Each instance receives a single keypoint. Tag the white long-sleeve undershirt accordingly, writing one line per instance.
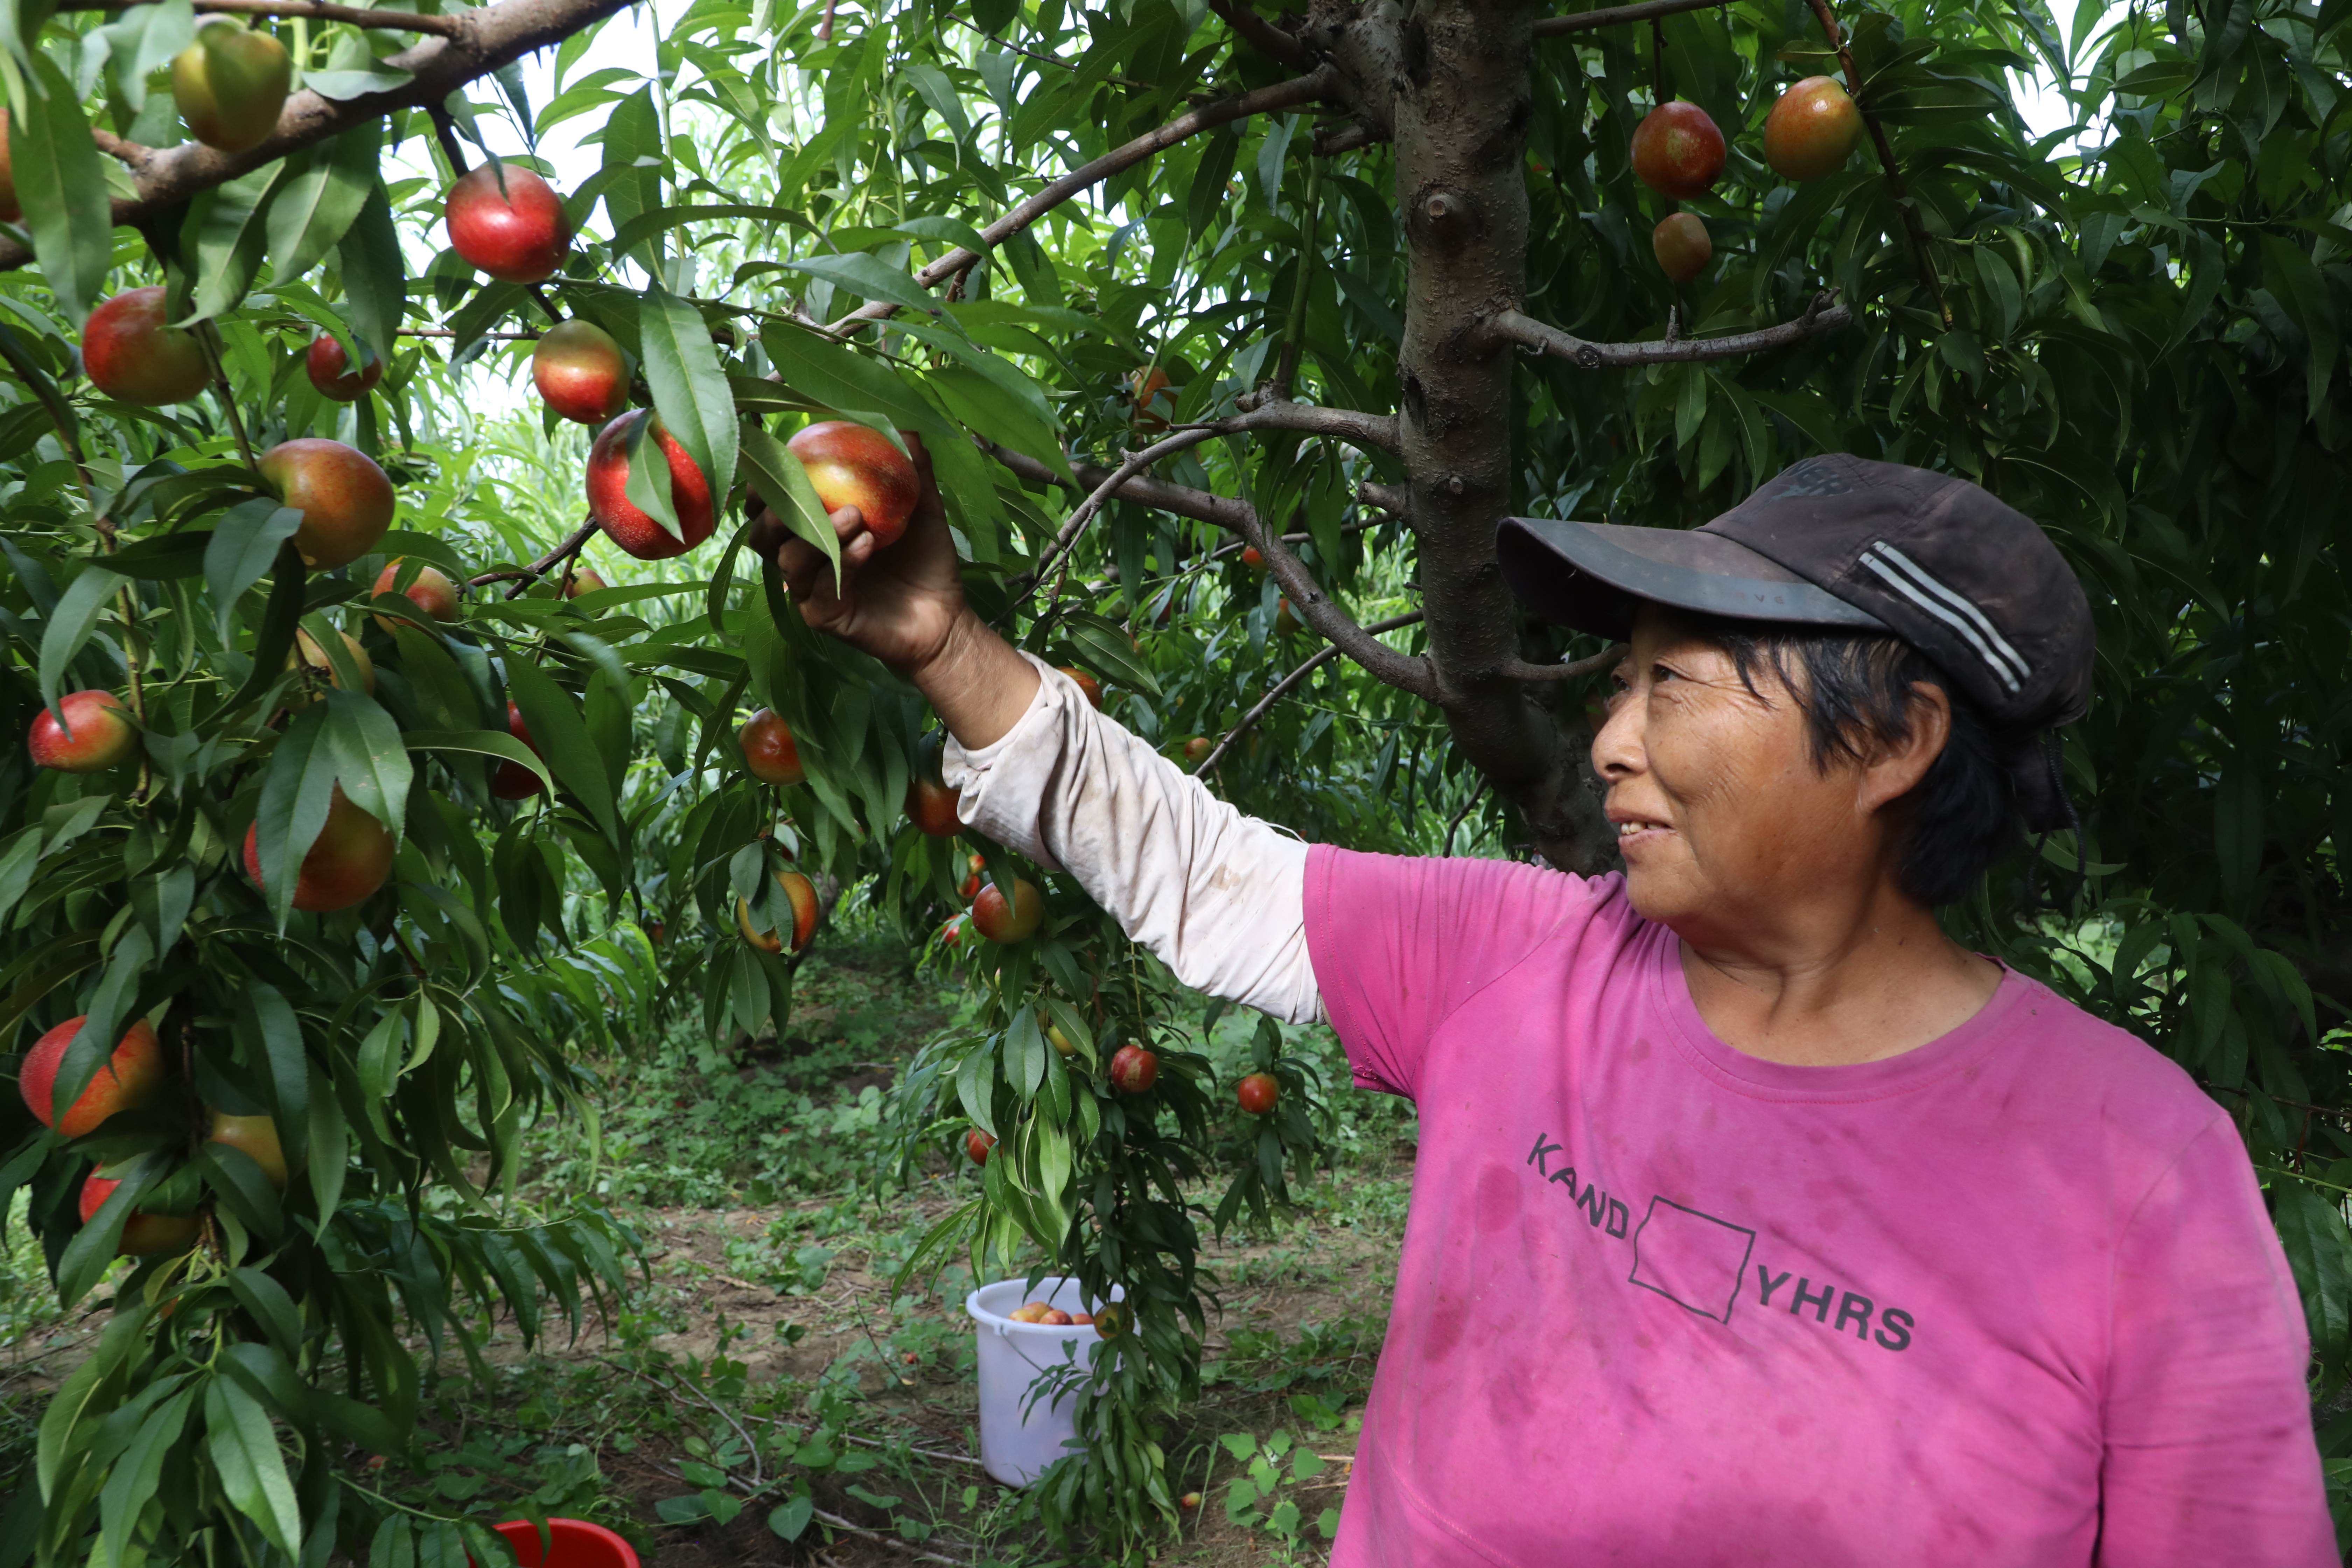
(1219, 897)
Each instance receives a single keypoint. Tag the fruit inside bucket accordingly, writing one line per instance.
(571, 1543)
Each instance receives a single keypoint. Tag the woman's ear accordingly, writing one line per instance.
(1895, 764)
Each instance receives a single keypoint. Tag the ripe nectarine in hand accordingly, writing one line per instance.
(850, 464)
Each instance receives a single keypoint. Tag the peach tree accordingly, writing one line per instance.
(1232, 332)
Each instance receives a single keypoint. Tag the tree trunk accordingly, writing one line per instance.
(1461, 116)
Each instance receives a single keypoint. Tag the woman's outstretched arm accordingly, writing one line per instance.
(1218, 896)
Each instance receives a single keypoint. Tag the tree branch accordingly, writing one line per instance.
(480, 43)
(1080, 515)
(1180, 501)
(1290, 94)
(525, 576)
(310, 10)
(1263, 35)
(1369, 432)
(1587, 21)
(1520, 669)
(1311, 605)
(1821, 315)
(1290, 683)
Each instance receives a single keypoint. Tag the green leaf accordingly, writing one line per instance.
(296, 793)
(483, 743)
(68, 627)
(689, 385)
(562, 738)
(780, 480)
(374, 278)
(243, 546)
(131, 1484)
(2319, 1251)
(789, 1520)
(342, 86)
(61, 186)
(251, 1468)
(371, 762)
(226, 236)
(321, 197)
(272, 1022)
(871, 277)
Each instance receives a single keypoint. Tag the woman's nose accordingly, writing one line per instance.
(1617, 744)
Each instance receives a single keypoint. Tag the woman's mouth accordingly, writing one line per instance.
(1634, 832)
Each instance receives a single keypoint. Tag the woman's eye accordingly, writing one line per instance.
(1660, 672)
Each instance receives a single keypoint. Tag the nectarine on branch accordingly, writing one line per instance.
(477, 44)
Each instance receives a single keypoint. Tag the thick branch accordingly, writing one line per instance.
(1821, 315)
(308, 10)
(1307, 89)
(1586, 21)
(1263, 35)
(1520, 669)
(1081, 514)
(1311, 605)
(1369, 432)
(1182, 501)
(312, 10)
(1290, 683)
(482, 41)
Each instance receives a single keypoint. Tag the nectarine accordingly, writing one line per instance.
(518, 234)
(767, 750)
(1000, 920)
(144, 1235)
(328, 368)
(802, 892)
(133, 357)
(1677, 151)
(854, 464)
(346, 500)
(100, 733)
(130, 1078)
(581, 371)
(624, 521)
(351, 858)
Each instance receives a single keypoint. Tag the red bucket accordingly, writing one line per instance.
(571, 1543)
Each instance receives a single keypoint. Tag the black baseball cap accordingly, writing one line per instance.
(1841, 541)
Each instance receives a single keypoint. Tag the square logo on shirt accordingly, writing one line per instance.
(1693, 1260)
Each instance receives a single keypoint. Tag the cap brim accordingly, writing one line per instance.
(1593, 575)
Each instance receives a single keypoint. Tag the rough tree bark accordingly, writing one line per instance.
(1459, 117)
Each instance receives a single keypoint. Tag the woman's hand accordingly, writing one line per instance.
(903, 603)
(897, 603)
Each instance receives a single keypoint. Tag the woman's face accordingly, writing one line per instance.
(1727, 826)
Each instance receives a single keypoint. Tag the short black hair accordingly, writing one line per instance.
(1855, 689)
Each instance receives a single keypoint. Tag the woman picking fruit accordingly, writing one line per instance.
(1756, 1220)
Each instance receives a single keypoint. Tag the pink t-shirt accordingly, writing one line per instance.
(2008, 1298)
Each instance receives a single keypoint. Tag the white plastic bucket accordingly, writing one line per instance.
(1018, 1439)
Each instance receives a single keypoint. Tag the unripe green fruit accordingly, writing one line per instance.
(231, 84)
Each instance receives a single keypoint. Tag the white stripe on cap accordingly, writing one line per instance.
(1966, 607)
(1903, 586)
